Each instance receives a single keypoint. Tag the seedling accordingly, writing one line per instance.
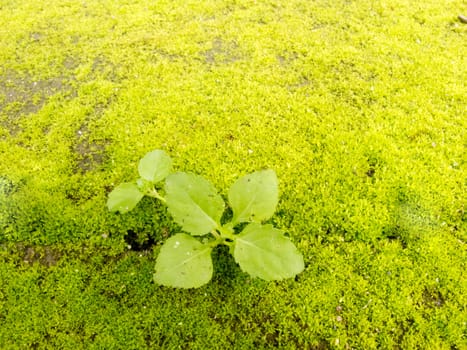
(185, 260)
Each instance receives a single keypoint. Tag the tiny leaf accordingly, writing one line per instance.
(155, 166)
(264, 252)
(254, 197)
(124, 197)
(183, 262)
(193, 202)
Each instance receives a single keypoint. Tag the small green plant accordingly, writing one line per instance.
(185, 260)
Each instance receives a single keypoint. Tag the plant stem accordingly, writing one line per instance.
(226, 232)
(216, 234)
(227, 243)
(153, 193)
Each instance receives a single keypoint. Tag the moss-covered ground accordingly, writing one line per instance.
(359, 107)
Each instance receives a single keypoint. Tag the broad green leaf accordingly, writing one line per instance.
(254, 197)
(155, 166)
(183, 262)
(193, 202)
(124, 197)
(264, 252)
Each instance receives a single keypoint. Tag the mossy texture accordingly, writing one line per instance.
(359, 107)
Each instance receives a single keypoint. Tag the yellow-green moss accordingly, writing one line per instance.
(358, 106)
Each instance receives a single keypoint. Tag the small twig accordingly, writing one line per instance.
(462, 18)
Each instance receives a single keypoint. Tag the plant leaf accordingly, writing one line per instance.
(254, 197)
(193, 202)
(183, 262)
(155, 166)
(124, 197)
(264, 252)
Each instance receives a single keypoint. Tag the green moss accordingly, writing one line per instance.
(358, 106)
